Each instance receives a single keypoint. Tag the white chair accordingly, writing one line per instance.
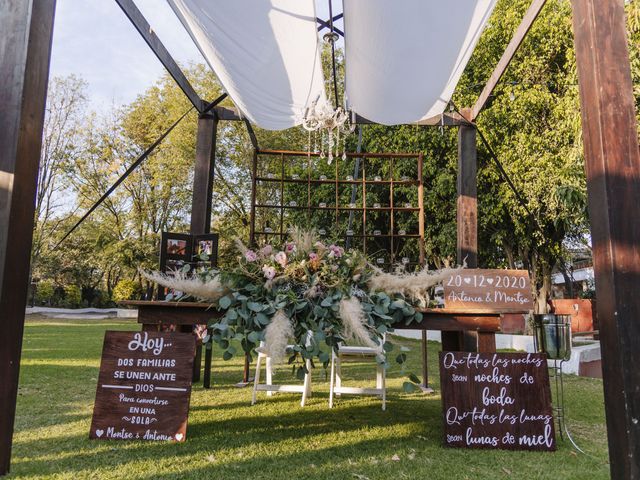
(356, 353)
(270, 388)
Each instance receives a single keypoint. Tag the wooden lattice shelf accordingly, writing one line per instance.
(384, 210)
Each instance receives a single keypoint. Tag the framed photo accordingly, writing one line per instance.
(180, 249)
(176, 247)
(205, 245)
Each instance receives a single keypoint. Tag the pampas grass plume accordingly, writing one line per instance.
(354, 323)
(277, 335)
(414, 286)
(211, 290)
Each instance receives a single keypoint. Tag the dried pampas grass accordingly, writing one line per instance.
(277, 335)
(414, 286)
(303, 239)
(354, 323)
(211, 290)
(242, 248)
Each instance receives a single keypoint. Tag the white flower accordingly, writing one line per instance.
(269, 272)
(281, 258)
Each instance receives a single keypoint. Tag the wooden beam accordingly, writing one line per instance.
(466, 221)
(467, 201)
(446, 119)
(203, 174)
(612, 162)
(135, 15)
(524, 27)
(252, 134)
(25, 50)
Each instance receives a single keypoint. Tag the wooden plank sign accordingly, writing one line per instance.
(495, 290)
(144, 386)
(497, 400)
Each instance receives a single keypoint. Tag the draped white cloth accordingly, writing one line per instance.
(264, 52)
(404, 58)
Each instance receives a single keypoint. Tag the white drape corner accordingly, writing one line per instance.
(404, 58)
(265, 53)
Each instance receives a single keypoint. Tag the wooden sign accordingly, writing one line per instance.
(144, 386)
(497, 290)
(497, 400)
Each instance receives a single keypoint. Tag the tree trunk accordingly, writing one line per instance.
(544, 292)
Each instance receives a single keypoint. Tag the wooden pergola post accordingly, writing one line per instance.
(467, 229)
(26, 28)
(612, 162)
(203, 174)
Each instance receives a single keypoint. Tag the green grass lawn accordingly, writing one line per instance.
(276, 439)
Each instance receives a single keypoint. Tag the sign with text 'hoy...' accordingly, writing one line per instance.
(144, 386)
(497, 400)
(498, 290)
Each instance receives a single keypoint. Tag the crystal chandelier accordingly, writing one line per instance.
(332, 123)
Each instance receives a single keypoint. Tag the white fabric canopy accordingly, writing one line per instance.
(264, 52)
(404, 58)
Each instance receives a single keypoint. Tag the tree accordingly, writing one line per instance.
(66, 102)
(533, 125)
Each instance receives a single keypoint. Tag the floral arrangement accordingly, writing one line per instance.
(309, 294)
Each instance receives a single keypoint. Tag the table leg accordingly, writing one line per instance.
(197, 363)
(486, 342)
(452, 341)
(425, 367)
(245, 373)
(208, 354)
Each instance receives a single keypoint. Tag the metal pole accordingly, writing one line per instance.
(354, 188)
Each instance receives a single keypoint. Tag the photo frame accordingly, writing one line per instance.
(180, 249)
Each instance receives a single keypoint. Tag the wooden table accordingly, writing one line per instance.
(486, 323)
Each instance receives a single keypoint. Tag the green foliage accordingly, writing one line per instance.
(308, 286)
(126, 290)
(45, 290)
(72, 296)
(533, 123)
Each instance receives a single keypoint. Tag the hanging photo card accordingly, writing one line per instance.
(497, 400)
(144, 386)
(496, 290)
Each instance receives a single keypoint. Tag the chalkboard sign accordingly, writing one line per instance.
(497, 400)
(144, 386)
(496, 290)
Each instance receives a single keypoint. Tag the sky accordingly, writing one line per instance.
(93, 39)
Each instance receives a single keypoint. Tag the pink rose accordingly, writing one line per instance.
(290, 247)
(269, 272)
(266, 250)
(313, 256)
(281, 258)
(335, 251)
(250, 256)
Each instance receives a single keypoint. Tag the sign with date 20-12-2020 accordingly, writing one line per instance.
(497, 400)
(497, 290)
(144, 386)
